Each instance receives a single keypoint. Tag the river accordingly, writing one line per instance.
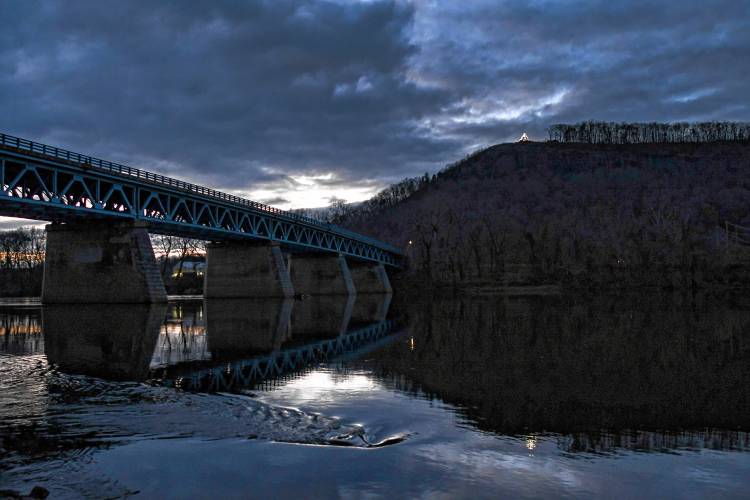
(644, 395)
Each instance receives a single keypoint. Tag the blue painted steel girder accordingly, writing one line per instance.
(45, 183)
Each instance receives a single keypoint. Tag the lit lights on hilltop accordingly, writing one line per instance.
(531, 443)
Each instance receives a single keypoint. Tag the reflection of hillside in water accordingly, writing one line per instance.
(638, 372)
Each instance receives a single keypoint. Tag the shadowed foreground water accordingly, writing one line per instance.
(341, 397)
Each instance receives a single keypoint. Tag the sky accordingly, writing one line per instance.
(297, 103)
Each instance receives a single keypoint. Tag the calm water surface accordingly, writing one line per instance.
(641, 396)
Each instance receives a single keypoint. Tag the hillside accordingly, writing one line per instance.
(580, 215)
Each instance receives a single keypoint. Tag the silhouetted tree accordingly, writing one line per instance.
(595, 132)
(22, 248)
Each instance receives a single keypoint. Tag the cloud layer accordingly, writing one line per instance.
(297, 102)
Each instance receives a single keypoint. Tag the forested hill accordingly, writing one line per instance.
(582, 215)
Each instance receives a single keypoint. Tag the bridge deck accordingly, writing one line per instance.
(43, 182)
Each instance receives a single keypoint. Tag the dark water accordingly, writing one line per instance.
(640, 396)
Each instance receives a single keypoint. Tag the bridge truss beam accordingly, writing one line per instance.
(34, 186)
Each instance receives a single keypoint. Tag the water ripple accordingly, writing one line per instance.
(72, 414)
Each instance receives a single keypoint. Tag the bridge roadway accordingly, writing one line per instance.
(96, 205)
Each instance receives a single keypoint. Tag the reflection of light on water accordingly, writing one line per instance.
(180, 342)
(21, 329)
(411, 343)
(323, 385)
(327, 380)
(531, 443)
(21, 334)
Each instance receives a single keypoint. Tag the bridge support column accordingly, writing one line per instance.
(98, 262)
(321, 274)
(245, 270)
(370, 278)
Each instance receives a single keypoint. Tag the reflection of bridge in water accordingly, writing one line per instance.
(278, 364)
(183, 345)
(580, 407)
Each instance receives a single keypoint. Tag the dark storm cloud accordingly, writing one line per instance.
(541, 62)
(219, 89)
(244, 94)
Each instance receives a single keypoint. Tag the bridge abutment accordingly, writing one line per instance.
(370, 278)
(321, 274)
(100, 262)
(245, 270)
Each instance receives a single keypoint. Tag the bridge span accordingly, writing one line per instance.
(98, 248)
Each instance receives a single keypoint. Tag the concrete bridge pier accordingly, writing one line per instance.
(370, 277)
(246, 270)
(98, 262)
(321, 274)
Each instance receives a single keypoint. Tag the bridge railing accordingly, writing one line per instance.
(90, 161)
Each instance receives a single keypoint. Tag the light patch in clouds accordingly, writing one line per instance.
(693, 95)
(473, 112)
(10, 223)
(312, 191)
(362, 85)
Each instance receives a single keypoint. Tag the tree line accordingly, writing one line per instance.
(21, 261)
(596, 132)
(342, 213)
(22, 248)
(173, 251)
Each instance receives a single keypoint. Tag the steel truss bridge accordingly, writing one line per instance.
(278, 364)
(42, 182)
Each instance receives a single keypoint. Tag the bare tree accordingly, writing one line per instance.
(176, 250)
(594, 132)
(22, 248)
